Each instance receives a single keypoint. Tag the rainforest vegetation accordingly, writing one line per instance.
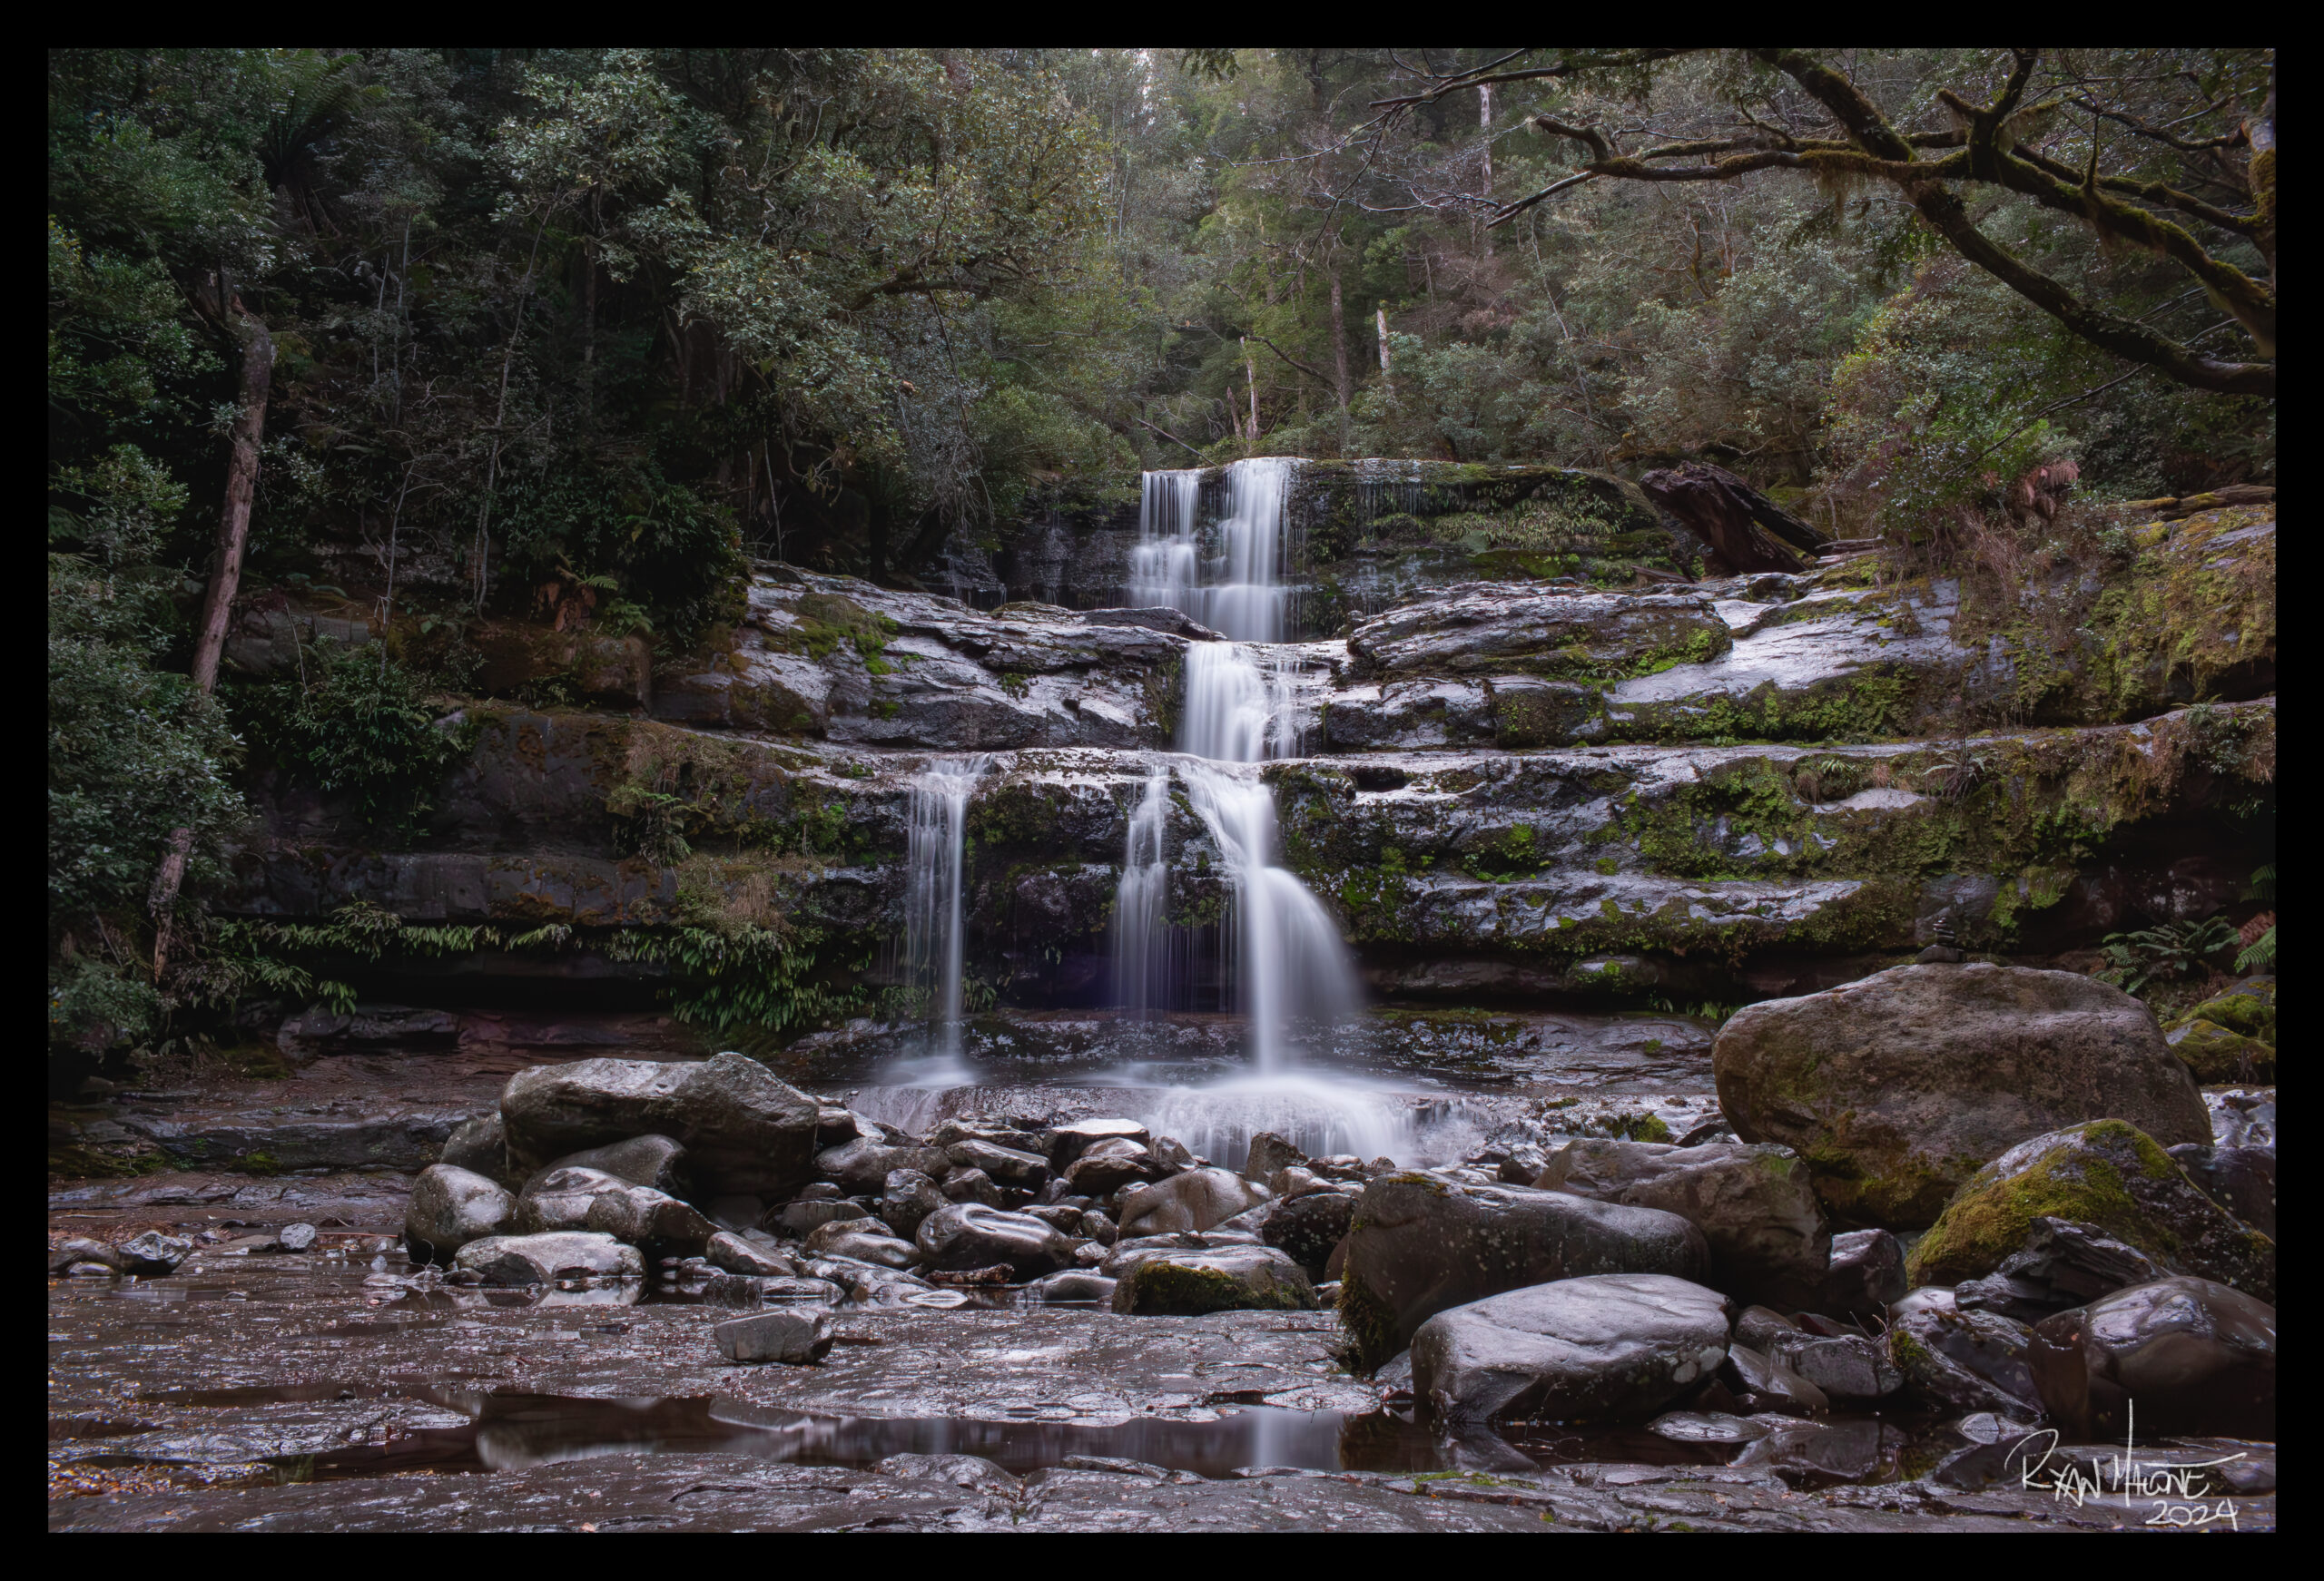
(573, 336)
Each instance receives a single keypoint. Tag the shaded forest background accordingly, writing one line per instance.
(571, 335)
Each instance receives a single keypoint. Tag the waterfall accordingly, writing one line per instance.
(1285, 957)
(1238, 591)
(1141, 940)
(940, 805)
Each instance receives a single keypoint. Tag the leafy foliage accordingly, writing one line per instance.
(361, 726)
(2171, 951)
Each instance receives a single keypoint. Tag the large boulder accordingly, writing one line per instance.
(1964, 1362)
(1193, 1201)
(449, 1208)
(1231, 1279)
(2193, 1355)
(1754, 1204)
(1307, 1228)
(590, 1199)
(1602, 1346)
(963, 1236)
(544, 1259)
(744, 1132)
(654, 1161)
(1420, 1244)
(1897, 1087)
(2108, 1174)
(480, 1145)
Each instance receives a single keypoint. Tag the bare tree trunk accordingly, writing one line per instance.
(1484, 126)
(1251, 373)
(1387, 375)
(1339, 351)
(225, 578)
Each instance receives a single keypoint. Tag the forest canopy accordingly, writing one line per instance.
(573, 334)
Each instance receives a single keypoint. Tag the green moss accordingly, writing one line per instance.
(1182, 1290)
(1369, 1323)
(1988, 1218)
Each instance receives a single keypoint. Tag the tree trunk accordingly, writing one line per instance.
(1387, 375)
(1743, 527)
(1484, 126)
(225, 578)
(1339, 348)
(1251, 373)
(241, 485)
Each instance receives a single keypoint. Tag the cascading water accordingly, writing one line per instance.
(940, 805)
(1285, 958)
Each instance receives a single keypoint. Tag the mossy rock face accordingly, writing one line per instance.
(2108, 1174)
(2249, 1009)
(2215, 1053)
(1897, 1088)
(1232, 1279)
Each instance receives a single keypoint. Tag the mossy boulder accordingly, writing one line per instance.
(2108, 1174)
(1228, 1279)
(2249, 1009)
(1897, 1088)
(2216, 1054)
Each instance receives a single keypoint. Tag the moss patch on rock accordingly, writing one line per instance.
(2108, 1174)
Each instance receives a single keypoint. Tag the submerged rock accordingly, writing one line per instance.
(1191, 1284)
(2107, 1174)
(744, 1132)
(450, 1207)
(1894, 1088)
(1765, 1231)
(544, 1259)
(1420, 1244)
(1600, 1346)
(2193, 1355)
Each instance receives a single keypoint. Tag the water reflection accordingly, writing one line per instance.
(508, 1432)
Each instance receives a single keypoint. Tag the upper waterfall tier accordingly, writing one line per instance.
(1235, 584)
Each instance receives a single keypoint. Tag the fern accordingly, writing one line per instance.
(2260, 956)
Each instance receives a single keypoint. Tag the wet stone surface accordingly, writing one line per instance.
(320, 1391)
